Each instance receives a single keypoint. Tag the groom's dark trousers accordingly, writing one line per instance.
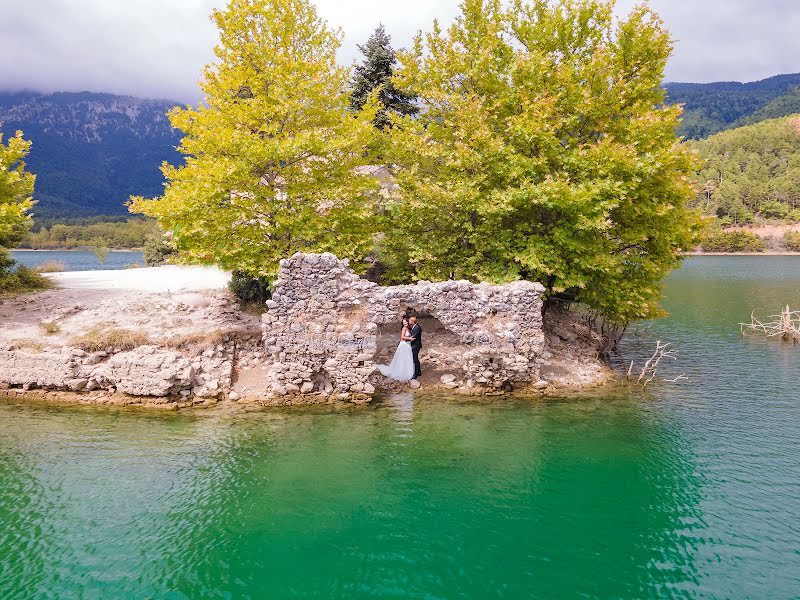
(416, 346)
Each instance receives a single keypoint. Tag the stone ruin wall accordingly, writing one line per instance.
(323, 323)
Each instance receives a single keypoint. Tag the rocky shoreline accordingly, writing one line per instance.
(317, 341)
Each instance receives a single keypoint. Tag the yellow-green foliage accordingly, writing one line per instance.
(16, 189)
(732, 241)
(544, 152)
(791, 241)
(271, 152)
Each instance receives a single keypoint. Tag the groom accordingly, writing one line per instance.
(416, 345)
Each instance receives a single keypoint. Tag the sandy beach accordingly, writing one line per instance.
(169, 278)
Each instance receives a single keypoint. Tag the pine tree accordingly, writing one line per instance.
(376, 73)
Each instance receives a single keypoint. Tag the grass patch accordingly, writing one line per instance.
(49, 327)
(101, 338)
(26, 344)
(195, 340)
(50, 266)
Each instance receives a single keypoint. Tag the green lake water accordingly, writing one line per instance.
(686, 490)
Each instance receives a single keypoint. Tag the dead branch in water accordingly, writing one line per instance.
(681, 377)
(650, 369)
(786, 325)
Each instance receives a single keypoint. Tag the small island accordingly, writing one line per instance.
(175, 337)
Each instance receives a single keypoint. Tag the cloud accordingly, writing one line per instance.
(147, 47)
(157, 48)
(730, 40)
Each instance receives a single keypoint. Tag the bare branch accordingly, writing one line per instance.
(786, 326)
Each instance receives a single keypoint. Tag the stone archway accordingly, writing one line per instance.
(442, 353)
(323, 317)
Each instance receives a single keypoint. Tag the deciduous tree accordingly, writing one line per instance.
(270, 154)
(16, 190)
(543, 151)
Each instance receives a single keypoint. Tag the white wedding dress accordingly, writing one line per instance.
(402, 366)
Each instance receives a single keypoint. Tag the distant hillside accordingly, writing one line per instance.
(782, 106)
(752, 171)
(713, 107)
(91, 151)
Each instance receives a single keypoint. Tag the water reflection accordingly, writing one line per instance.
(417, 497)
(687, 490)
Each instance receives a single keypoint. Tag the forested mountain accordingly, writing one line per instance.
(91, 151)
(713, 107)
(782, 106)
(752, 170)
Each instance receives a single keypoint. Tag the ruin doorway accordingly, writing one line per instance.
(442, 350)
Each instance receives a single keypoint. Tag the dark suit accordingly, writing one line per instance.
(416, 346)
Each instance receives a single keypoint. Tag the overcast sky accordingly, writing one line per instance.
(156, 48)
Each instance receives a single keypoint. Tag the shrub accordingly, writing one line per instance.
(774, 210)
(20, 280)
(791, 241)
(158, 250)
(51, 266)
(49, 327)
(249, 289)
(28, 279)
(733, 241)
(101, 253)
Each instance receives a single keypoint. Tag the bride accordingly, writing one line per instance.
(402, 366)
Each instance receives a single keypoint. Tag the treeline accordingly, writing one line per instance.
(716, 239)
(782, 106)
(544, 152)
(751, 172)
(47, 222)
(130, 233)
(713, 107)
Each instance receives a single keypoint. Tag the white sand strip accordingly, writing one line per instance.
(169, 278)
